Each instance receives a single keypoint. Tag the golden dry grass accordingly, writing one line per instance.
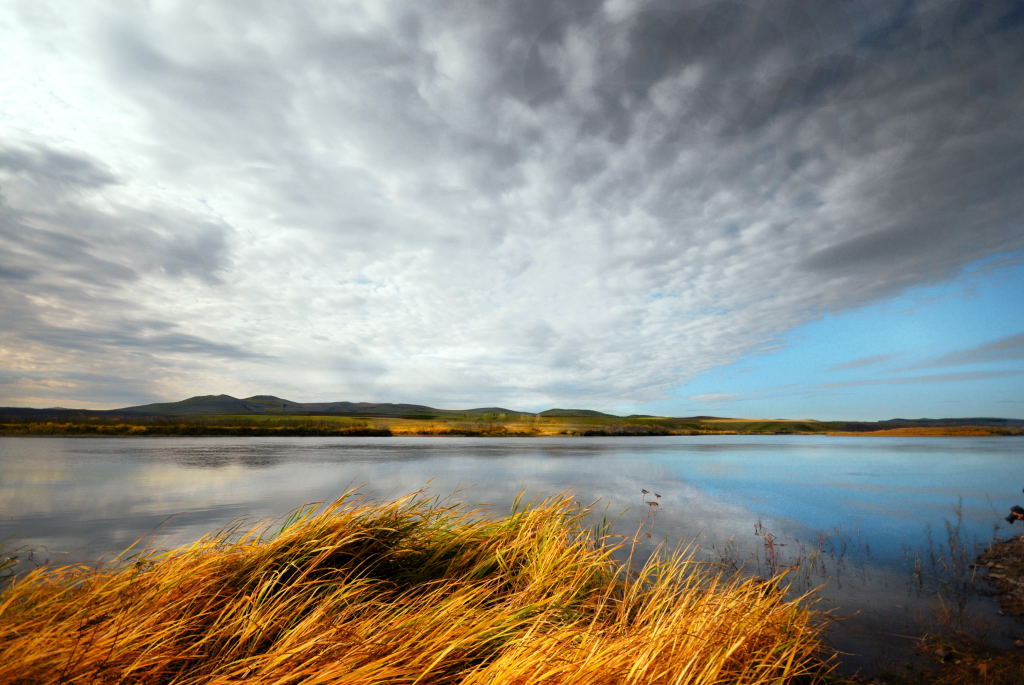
(404, 592)
(932, 432)
(434, 427)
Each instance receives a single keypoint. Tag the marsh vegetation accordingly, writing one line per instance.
(493, 424)
(406, 591)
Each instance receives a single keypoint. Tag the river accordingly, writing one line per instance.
(885, 526)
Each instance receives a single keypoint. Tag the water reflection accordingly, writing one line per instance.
(847, 509)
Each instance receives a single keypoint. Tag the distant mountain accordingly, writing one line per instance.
(970, 421)
(226, 405)
(371, 409)
(48, 414)
(575, 412)
(497, 411)
(272, 402)
(198, 405)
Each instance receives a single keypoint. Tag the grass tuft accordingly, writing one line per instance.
(409, 591)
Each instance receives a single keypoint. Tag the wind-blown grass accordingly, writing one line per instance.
(410, 591)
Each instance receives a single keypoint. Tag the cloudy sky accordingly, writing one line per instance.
(748, 209)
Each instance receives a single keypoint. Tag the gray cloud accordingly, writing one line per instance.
(133, 335)
(931, 378)
(39, 164)
(862, 362)
(49, 220)
(1010, 348)
(713, 397)
(11, 272)
(75, 259)
(521, 202)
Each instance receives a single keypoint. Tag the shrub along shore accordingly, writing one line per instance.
(410, 591)
(501, 426)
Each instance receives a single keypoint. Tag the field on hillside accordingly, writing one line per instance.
(510, 424)
(935, 432)
(283, 424)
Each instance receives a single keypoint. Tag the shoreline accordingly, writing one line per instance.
(131, 431)
(297, 425)
(1003, 561)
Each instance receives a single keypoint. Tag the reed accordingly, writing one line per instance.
(409, 591)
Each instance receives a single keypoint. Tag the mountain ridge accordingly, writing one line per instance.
(227, 405)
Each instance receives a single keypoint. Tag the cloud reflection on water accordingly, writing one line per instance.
(84, 499)
(713, 490)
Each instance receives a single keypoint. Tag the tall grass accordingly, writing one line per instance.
(411, 591)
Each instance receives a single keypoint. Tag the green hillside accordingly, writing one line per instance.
(272, 415)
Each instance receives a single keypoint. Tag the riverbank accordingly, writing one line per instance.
(934, 432)
(963, 660)
(408, 591)
(389, 426)
(1004, 561)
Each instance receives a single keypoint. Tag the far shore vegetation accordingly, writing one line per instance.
(497, 424)
(269, 415)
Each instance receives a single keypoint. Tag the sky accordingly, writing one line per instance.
(770, 209)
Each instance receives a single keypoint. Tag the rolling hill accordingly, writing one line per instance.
(403, 418)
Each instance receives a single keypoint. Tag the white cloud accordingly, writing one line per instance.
(519, 204)
(715, 397)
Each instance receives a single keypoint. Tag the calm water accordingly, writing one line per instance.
(855, 512)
